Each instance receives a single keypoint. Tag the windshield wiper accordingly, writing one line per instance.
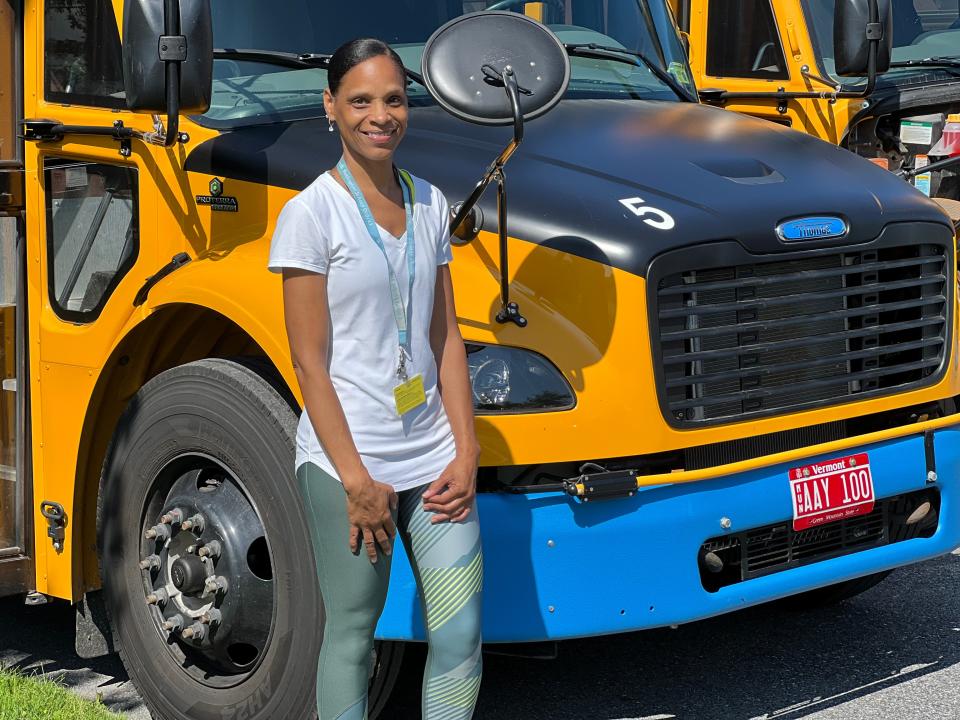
(609, 52)
(928, 62)
(288, 59)
(273, 57)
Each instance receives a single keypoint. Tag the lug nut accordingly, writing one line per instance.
(150, 562)
(172, 517)
(158, 532)
(174, 623)
(194, 522)
(158, 597)
(197, 631)
(214, 584)
(211, 550)
(212, 617)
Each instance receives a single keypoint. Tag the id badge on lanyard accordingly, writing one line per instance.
(409, 393)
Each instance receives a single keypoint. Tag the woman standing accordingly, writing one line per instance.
(386, 440)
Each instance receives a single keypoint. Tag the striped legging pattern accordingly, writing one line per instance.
(448, 564)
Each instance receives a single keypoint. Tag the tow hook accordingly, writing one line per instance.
(56, 522)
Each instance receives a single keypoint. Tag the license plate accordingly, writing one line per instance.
(830, 491)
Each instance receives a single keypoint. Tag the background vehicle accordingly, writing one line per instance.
(680, 364)
(774, 59)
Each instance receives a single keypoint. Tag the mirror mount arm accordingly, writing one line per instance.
(466, 208)
(874, 36)
(173, 51)
(509, 311)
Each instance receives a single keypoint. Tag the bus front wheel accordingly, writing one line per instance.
(206, 561)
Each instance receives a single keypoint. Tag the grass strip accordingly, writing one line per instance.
(34, 697)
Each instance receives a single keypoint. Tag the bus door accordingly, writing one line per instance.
(15, 569)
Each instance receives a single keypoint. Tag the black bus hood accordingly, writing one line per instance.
(595, 177)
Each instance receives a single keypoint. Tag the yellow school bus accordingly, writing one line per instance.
(721, 368)
(777, 60)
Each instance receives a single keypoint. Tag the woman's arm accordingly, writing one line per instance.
(451, 495)
(307, 318)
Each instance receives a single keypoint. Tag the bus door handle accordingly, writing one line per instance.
(56, 518)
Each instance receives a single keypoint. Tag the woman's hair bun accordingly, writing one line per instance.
(352, 53)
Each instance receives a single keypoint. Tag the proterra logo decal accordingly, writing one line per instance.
(216, 199)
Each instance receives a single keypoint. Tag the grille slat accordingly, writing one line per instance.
(806, 341)
(810, 297)
(832, 382)
(802, 318)
(798, 276)
(775, 335)
(767, 371)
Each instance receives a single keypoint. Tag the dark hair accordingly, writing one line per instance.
(352, 53)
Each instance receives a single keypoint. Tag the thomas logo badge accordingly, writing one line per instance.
(812, 228)
(216, 200)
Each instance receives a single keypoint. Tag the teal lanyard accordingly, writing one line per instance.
(400, 309)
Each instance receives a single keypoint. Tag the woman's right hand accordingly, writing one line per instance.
(369, 506)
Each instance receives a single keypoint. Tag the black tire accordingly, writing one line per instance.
(833, 594)
(231, 414)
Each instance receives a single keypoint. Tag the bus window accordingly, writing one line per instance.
(82, 54)
(92, 234)
(8, 77)
(742, 41)
(10, 178)
(8, 377)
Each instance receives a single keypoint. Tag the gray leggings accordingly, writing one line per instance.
(448, 566)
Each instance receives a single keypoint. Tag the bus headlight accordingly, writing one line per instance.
(511, 380)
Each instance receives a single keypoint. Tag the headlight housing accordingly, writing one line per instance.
(510, 380)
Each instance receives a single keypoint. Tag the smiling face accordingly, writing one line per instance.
(370, 108)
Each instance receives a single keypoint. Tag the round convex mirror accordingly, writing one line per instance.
(454, 57)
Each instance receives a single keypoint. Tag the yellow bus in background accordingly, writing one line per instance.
(776, 60)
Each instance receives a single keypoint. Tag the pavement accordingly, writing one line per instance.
(891, 653)
(39, 640)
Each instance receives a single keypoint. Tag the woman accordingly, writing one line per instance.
(386, 440)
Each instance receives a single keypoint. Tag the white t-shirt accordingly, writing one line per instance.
(320, 230)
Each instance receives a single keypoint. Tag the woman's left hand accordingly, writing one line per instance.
(451, 495)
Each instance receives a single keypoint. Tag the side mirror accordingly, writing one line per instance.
(495, 68)
(860, 29)
(168, 57)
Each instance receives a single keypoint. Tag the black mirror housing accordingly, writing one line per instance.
(147, 48)
(852, 34)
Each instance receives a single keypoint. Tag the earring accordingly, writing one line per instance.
(330, 125)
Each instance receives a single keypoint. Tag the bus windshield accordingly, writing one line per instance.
(921, 29)
(259, 91)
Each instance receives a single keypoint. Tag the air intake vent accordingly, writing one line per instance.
(736, 557)
(752, 339)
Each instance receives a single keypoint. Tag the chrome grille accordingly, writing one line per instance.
(759, 338)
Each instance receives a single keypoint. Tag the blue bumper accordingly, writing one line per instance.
(557, 568)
